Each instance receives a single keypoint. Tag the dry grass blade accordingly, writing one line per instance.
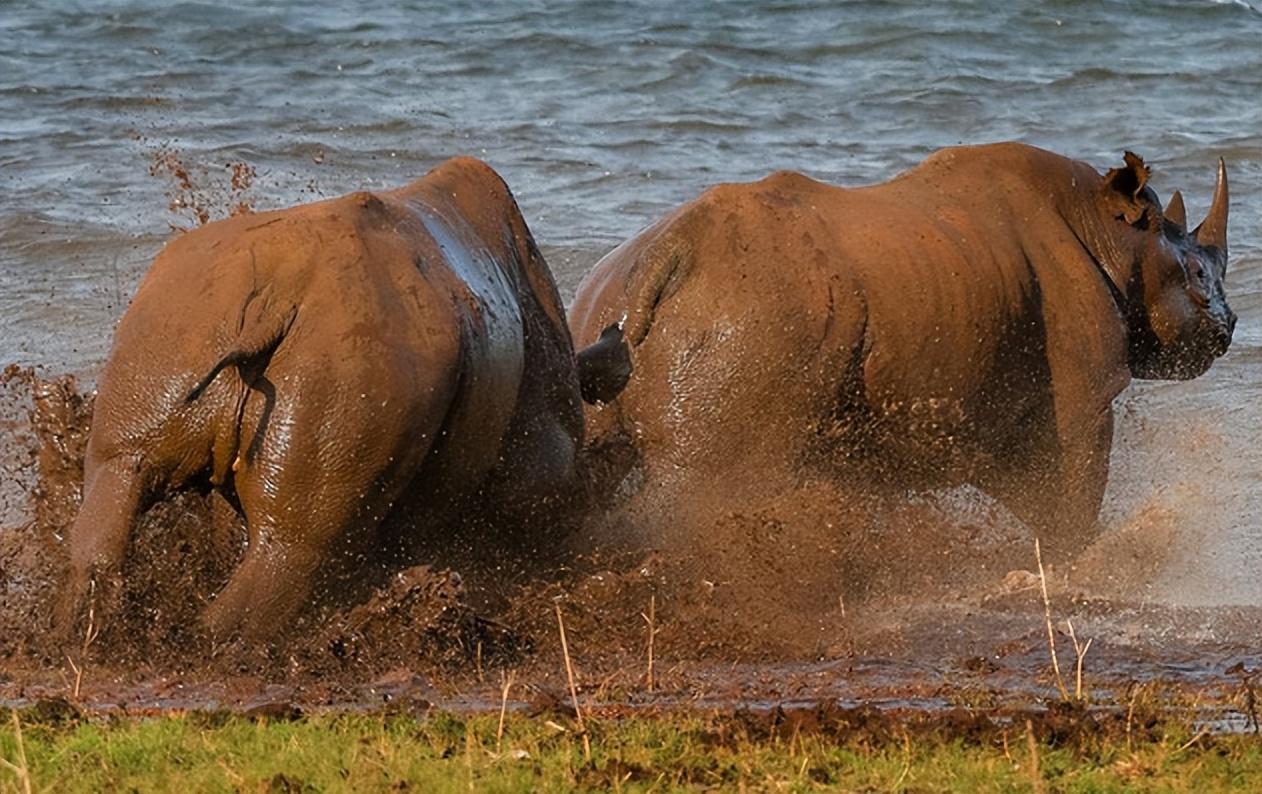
(20, 769)
(569, 673)
(1047, 615)
(468, 753)
(906, 763)
(1130, 714)
(1195, 738)
(1036, 774)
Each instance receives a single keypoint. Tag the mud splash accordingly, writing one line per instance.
(196, 194)
(805, 598)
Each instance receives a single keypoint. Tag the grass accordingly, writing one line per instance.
(690, 750)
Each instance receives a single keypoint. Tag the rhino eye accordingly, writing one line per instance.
(1141, 222)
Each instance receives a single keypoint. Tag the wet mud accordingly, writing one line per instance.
(804, 598)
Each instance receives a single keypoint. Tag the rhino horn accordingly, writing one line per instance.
(1213, 230)
(1175, 212)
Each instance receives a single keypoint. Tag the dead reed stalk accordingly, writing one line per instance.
(505, 686)
(1080, 650)
(650, 619)
(1251, 703)
(20, 769)
(1047, 615)
(89, 636)
(1134, 690)
(569, 672)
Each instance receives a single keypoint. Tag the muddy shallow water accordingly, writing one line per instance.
(118, 128)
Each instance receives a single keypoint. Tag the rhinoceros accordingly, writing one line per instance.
(318, 365)
(969, 321)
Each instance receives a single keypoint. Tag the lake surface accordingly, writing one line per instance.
(601, 116)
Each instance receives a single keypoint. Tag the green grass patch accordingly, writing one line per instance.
(200, 752)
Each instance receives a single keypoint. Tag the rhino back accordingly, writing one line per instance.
(954, 297)
(344, 308)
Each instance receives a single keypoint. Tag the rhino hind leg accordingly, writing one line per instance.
(313, 491)
(98, 540)
(267, 589)
(299, 521)
(297, 527)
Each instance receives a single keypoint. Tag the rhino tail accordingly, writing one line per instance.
(604, 367)
(660, 270)
(254, 346)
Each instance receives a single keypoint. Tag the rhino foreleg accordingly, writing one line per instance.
(1058, 492)
(1084, 475)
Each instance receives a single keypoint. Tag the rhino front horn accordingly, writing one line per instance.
(1175, 212)
(1213, 230)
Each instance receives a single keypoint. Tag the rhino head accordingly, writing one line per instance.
(1177, 312)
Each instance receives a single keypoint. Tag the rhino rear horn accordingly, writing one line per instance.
(604, 367)
(1213, 230)
(1175, 212)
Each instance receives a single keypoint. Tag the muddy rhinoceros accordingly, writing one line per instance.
(969, 321)
(317, 365)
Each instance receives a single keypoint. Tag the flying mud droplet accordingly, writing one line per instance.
(199, 194)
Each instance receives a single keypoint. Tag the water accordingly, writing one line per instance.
(602, 116)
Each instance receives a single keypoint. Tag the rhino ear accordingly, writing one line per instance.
(1130, 179)
(1128, 183)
